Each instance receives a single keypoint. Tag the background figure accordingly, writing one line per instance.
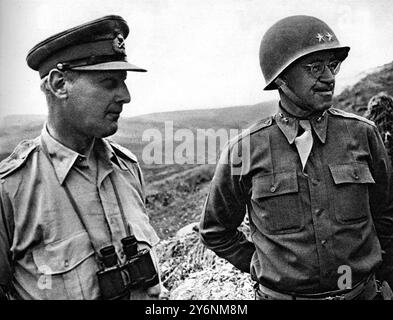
(380, 110)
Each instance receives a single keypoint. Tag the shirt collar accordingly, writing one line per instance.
(62, 157)
(289, 125)
(105, 151)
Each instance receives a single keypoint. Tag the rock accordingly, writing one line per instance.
(188, 229)
(190, 271)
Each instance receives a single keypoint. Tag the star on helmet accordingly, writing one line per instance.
(329, 36)
(319, 37)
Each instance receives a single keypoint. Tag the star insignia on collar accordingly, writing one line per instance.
(319, 37)
(329, 36)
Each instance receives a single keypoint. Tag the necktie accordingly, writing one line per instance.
(304, 142)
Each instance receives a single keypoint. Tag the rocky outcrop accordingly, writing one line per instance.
(191, 272)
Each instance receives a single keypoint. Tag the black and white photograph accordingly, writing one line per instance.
(167, 150)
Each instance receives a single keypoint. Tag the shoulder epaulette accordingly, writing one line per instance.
(18, 157)
(264, 123)
(257, 126)
(344, 114)
(123, 152)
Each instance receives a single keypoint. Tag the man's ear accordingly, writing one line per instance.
(57, 84)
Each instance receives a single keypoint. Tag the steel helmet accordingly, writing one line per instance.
(291, 38)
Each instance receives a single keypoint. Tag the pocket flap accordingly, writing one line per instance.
(354, 172)
(62, 256)
(274, 184)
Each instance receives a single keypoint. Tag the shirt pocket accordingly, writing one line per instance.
(276, 202)
(350, 195)
(67, 268)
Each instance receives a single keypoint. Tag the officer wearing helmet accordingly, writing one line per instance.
(316, 182)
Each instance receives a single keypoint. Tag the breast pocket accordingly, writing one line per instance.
(67, 269)
(277, 204)
(351, 196)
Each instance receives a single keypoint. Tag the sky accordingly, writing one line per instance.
(198, 53)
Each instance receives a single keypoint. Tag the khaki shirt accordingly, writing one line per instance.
(307, 228)
(45, 251)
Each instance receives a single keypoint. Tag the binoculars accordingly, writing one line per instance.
(116, 279)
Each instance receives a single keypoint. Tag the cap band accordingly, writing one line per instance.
(93, 46)
(89, 61)
(82, 54)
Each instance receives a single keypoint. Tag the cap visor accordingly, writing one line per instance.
(113, 65)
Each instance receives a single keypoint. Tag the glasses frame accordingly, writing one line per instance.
(317, 74)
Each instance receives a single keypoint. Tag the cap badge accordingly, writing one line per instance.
(119, 45)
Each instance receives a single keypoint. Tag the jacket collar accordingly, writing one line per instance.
(289, 125)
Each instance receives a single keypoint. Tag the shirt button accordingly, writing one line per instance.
(318, 211)
(315, 181)
(66, 264)
(272, 189)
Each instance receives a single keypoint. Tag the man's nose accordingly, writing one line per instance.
(123, 95)
(327, 76)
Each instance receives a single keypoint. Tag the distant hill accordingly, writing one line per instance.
(356, 97)
(15, 128)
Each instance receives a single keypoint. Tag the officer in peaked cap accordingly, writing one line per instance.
(97, 45)
(72, 202)
(316, 181)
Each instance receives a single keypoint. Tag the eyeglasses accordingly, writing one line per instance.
(318, 68)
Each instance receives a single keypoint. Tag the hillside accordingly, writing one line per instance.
(15, 128)
(356, 97)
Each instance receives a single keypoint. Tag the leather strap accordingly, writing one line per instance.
(292, 96)
(75, 206)
(68, 193)
(127, 226)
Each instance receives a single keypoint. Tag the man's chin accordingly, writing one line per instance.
(323, 104)
(109, 130)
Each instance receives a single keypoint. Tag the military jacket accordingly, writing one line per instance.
(307, 227)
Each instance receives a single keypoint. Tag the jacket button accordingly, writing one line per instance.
(272, 189)
(318, 211)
